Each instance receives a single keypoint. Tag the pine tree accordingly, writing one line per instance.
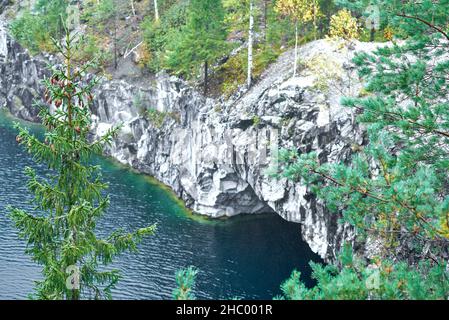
(202, 40)
(161, 35)
(60, 234)
(395, 188)
(355, 6)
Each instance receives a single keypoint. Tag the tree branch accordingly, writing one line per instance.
(426, 23)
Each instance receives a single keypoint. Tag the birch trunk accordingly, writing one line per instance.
(265, 20)
(296, 49)
(156, 11)
(132, 8)
(250, 43)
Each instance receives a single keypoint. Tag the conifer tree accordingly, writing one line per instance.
(237, 14)
(202, 40)
(250, 43)
(394, 191)
(156, 11)
(343, 25)
(61, 232)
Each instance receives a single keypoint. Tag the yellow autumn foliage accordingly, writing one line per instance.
(344, 25)
(388, 33)
(300, 10)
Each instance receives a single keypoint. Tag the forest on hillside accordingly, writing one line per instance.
(237, 38)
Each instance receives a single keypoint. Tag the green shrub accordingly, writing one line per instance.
(233, 71)
(35, 30)
(156, 117)
(256, 121)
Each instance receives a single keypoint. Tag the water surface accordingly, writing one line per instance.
(247, 256)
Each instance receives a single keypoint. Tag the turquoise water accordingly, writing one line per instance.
(247, 256)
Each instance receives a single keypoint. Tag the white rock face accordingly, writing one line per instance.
(214, 154)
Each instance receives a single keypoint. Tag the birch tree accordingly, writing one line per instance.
(133, 9)
(156, 11)
(60, 230)
(301, 11)
(250, 42)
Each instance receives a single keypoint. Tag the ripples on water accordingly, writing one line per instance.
(246, 256)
